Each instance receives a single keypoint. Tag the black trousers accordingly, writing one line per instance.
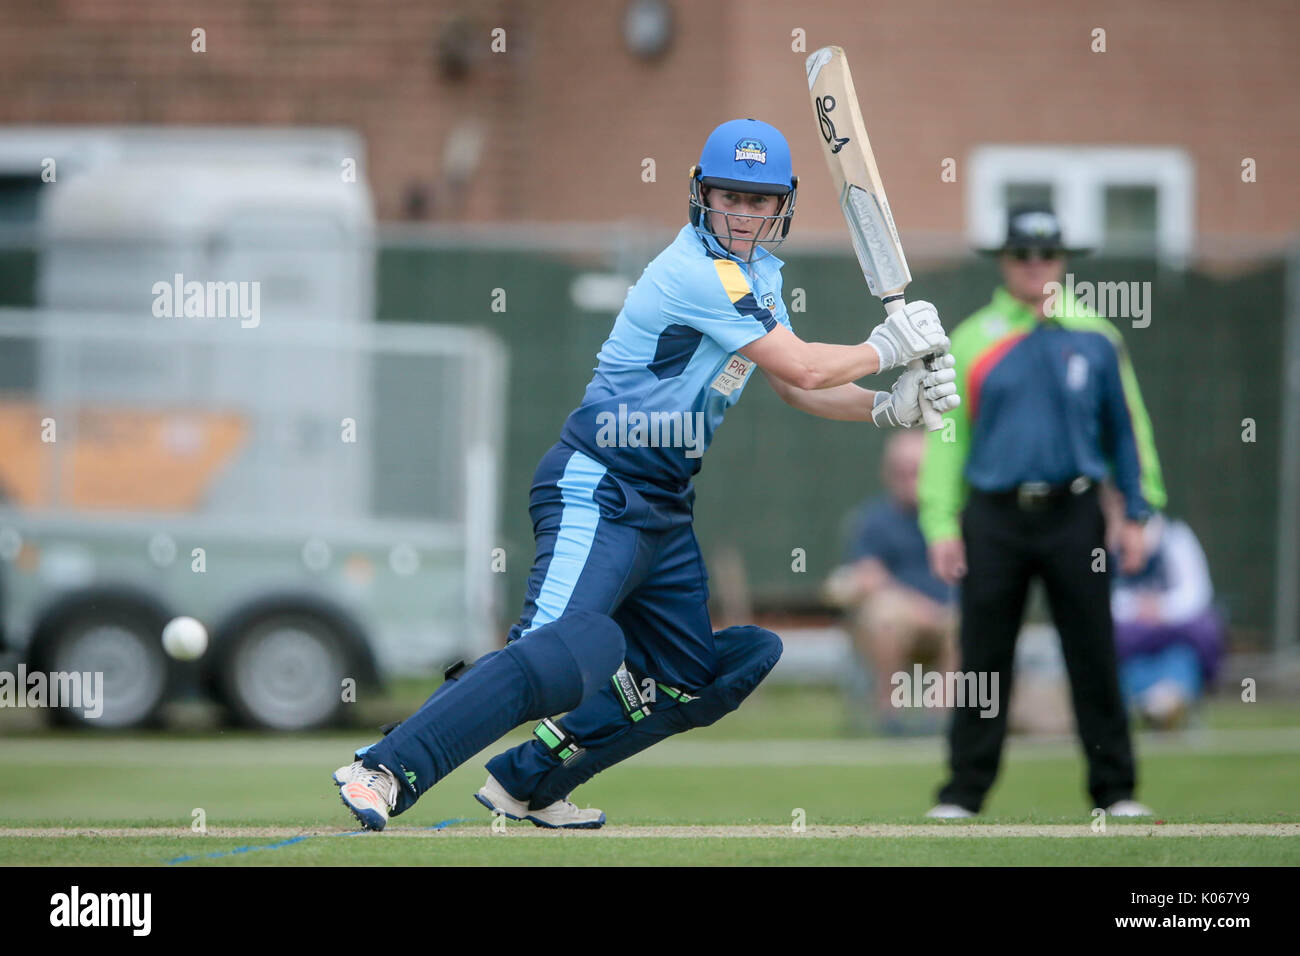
(1006, 547)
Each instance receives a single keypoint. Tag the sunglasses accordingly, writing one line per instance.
(1027, 255)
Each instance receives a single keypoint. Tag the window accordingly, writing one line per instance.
(1027, 194)
(18, 198)
(1111, 198)
(1130, 218)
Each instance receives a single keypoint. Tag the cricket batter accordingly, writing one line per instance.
(615, 630)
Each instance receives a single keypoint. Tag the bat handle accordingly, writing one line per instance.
(933, 420)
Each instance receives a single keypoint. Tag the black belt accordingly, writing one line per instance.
(1033, 495)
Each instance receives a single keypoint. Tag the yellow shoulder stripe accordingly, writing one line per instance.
(733, 280)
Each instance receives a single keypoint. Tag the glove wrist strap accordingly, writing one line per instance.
(882, 411)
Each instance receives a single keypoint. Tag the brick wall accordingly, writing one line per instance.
(568, 114)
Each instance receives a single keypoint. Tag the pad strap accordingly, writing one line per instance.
(456, 670)
(634, 705)
(677, 694)
(558, 741)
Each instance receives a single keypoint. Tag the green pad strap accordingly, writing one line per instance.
(558, 741)
(625, 686)
(677, 694)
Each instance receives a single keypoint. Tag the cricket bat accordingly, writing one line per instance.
(861, 190)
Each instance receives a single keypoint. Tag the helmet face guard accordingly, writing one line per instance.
(744, 156)
(771, 231)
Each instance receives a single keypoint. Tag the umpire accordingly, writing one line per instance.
(1008, 492)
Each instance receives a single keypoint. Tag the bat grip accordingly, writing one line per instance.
(933, 420)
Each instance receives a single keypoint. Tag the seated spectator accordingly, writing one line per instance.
(1168, 635)
(899, 612)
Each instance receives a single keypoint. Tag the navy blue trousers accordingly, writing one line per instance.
(615, 553)
(609, 562)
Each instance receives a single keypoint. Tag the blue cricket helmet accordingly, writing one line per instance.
(749, 156)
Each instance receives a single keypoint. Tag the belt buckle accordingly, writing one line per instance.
(1032, 494)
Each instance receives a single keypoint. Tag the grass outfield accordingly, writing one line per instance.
(573, 849)
(1214, 776)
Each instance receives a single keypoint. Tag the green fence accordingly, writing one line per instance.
(776, 480)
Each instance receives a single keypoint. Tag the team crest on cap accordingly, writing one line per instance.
(1037, 223)
(751, 151)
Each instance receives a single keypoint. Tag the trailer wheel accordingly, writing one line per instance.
(282, 669)
(120, 640)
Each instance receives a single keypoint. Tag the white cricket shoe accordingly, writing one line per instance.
(1129, 808)
(560, 815)
(949, 811)
(369, 794)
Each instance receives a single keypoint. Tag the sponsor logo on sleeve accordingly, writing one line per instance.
(733, 374)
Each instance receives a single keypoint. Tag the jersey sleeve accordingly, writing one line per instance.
(1131, 444)
(941, 484)
(780, 313)
(716, 300)
(1190, 591)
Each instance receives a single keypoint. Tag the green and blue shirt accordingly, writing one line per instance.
(1043, 400)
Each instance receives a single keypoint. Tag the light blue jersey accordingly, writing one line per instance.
(671, 367)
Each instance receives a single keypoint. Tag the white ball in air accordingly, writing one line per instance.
(184, 638)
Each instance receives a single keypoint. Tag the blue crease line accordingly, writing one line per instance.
(442, 825)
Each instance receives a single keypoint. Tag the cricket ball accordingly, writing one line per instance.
(184, 638)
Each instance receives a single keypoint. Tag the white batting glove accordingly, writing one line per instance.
(900, 407)
(912, 332)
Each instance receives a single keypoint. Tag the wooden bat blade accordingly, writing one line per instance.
(861, 190)
(857, 180)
